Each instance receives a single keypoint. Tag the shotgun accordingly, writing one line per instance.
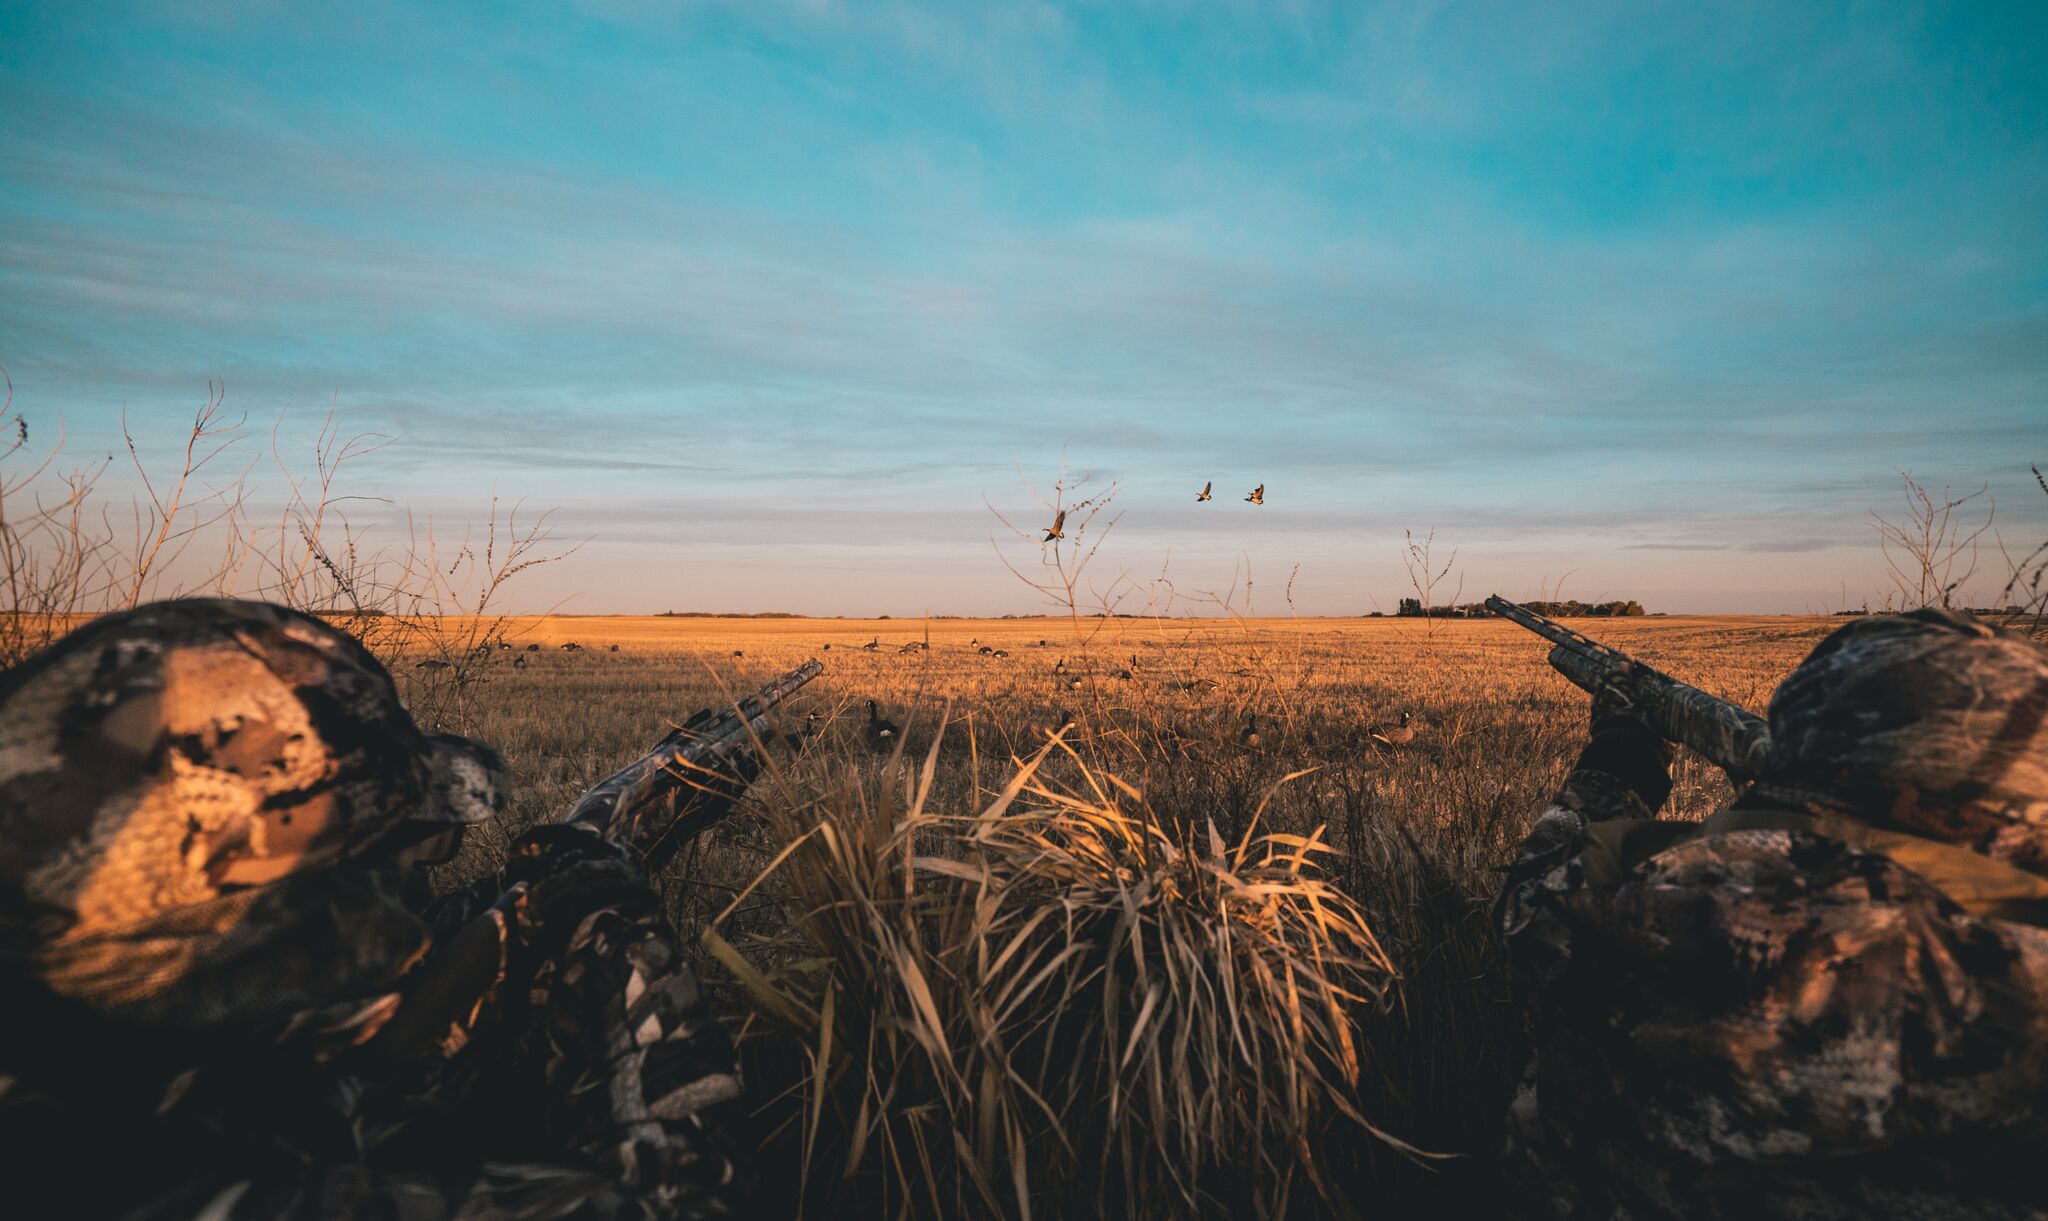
(1724, 734)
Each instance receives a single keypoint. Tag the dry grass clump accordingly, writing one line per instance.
(1056, 1006)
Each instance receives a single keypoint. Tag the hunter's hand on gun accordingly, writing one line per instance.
(1623, 743)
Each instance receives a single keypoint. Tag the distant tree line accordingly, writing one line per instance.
(1412, 608)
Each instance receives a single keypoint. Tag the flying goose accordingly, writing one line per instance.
(1058, 528)
(1204, 493)
(1258, 496)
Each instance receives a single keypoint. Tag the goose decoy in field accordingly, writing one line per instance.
(533, 648)
(826, 649)
(1200, 684)
(615, 648)
(1062, 719)
(1258, 496)
(873, 645)
(431, 663)
(1204, 493)
(505, 645)
(739, 652)
(519, 662)
(999, 653)
(985, 650)
(1058, 527)
(570, 646)
(1396, 734)
(1248, 737)
(880, 732)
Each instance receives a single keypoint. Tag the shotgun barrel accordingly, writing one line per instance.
(1724, 734)
(660, 800)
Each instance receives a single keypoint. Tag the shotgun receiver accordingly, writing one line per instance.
(1724, 734)
(656, 803)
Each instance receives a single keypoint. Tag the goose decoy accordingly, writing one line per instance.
(1396, 734)
(1248, 737)
(1204, 493)
(533, 648)
(881, 732)
(1000, 653)
(519, 662)
(985, 650)
(615, 648)
(1058, 528)
(1200, 684)
(431, 663)
(873, 645)
(739, 653)
(570, 646)
(1258, 496)
(1062, 719)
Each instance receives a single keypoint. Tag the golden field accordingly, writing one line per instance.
(1162, 706)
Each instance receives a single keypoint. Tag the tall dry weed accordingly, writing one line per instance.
(1058, 1005)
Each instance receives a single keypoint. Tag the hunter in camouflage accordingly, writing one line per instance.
(1828, 1000)
(229, 994)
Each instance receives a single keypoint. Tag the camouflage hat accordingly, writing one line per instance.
(161, 757)
(1930, 721)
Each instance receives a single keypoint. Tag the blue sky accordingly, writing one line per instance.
(772, 301)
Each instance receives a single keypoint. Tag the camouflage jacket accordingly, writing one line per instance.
(562, 1063)
(1762, 1021)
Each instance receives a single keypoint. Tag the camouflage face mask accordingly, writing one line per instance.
(1930, 722)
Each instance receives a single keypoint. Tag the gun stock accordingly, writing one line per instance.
(651, 804)
(1724, 734)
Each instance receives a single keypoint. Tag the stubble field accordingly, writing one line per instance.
(1164, 706)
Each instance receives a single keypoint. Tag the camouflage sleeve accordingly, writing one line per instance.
(627, 1064)
(1623, 773)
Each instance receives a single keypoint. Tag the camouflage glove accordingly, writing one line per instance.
(1624, 748)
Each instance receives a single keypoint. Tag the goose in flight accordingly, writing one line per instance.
(1058, 527)
(1258, 496)
(1204, 493)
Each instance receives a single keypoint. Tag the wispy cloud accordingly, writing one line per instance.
(1576, 292)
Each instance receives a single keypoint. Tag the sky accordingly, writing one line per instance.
(778, 305)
